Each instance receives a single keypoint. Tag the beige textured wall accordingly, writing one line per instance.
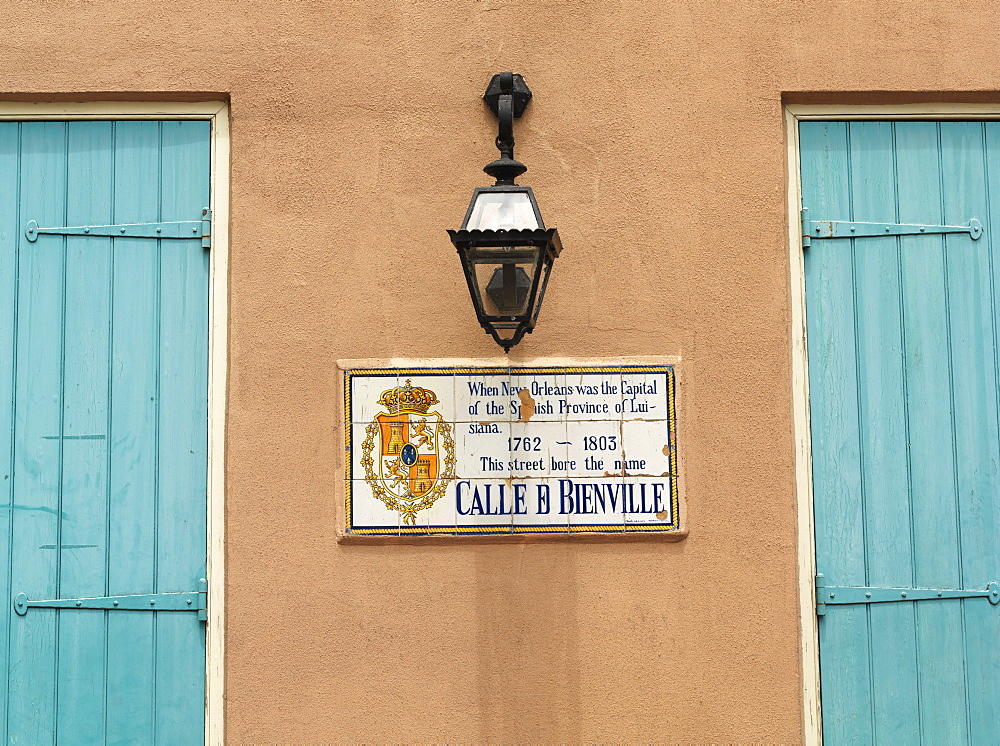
(655, 144)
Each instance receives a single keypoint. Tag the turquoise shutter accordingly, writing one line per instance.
(103, 431)
(903, 379)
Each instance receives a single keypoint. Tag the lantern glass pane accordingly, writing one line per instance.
(503, 278)
(502, 211)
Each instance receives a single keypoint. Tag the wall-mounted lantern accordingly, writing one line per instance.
(505, 248)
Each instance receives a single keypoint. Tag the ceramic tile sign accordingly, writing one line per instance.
(510, 450)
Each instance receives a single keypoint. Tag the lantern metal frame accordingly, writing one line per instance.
(512, 250)
(542, 243)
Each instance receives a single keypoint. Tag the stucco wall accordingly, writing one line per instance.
(655, 144)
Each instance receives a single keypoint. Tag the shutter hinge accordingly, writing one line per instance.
(814, 229)
(177, 229)
(206, 228)
(835, 595)
(188, 601)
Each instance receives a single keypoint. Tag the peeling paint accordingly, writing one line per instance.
(527, 405)
(629, 474)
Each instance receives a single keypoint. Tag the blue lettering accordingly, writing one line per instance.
(458, 496)
(565, 496)
(543, 499)
(519, 508)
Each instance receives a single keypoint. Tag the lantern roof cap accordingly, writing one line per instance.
(523, 236)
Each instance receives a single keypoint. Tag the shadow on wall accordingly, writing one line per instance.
(528, 644)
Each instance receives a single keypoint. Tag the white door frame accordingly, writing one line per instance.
(216, 112)
(794, 113)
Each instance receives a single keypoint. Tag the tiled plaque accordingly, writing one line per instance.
(511, 450)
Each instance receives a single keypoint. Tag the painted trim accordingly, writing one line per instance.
(27, 110)
(217, 113)
(811, 713)
(794, 113)
(218, 340)
(894, 111)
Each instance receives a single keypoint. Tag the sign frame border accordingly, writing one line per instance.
(674, 530)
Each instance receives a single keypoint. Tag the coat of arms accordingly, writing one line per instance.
(415, 456)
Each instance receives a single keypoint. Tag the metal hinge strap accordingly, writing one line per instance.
(187, 601)
(813, 229)
(206, 228)
(834, 595)
(177, 229)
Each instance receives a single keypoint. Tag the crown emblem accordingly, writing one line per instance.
(408, 399)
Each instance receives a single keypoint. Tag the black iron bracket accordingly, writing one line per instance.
(508, 84)
(507, 96)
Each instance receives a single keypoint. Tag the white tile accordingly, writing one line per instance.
(646, 447)
(484, 396)
(644, 395)
(355, 448)
(595, 447)
(538, 449)
(367, 511)
(545, 391)
(592, 396)
(441, 385)
(539, 509)
(440, 516)
(598, 504)
(649, 502)
(481, 449)
(485, 504)
(365, 391)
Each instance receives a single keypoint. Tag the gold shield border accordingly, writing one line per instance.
(409, 510)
